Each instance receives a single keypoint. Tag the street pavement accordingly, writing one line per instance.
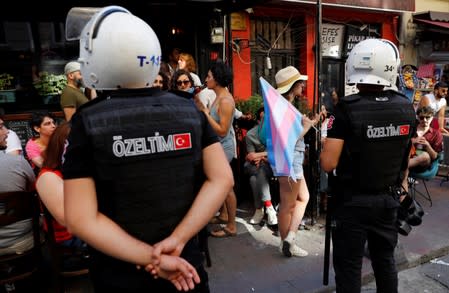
(251, 261)
(431, 277)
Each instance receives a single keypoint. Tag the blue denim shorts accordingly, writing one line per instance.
(298, 160)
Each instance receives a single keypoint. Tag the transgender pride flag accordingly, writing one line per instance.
(283, 127)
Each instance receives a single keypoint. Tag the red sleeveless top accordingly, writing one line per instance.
(61, 233)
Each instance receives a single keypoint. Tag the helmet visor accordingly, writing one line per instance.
(76, 20)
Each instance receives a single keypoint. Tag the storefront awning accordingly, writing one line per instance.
(435, 20)
(432, 15)
(435, 23)
(379, 5)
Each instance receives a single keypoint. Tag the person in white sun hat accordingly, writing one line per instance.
(294, 194)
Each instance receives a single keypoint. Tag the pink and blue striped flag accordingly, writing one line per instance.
(283, 124)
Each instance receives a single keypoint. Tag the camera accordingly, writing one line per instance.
(410, 214)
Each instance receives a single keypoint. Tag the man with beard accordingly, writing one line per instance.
(72, 97)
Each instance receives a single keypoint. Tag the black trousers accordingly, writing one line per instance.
(142, 281)
(354, 226)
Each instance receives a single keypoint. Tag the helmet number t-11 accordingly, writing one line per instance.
(153, 60)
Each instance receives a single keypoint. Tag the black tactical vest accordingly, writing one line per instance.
(147, 153)
(381, 127)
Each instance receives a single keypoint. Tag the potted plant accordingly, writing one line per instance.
(256, 101)
(251, 105)
(6, 82)
(7, 90)
(50, 84)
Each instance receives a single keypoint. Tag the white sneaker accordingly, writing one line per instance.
(290, 250)
(272, 216)
(257, 217)
(295, 250)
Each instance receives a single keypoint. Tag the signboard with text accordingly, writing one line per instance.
(332, 40)
(354, 35)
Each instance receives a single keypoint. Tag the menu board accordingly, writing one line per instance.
(22, 128)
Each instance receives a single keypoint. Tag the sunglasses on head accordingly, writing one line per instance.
(180, 82)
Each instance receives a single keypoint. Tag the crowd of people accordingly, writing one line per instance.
(92, 170)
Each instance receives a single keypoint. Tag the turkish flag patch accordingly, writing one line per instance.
(404, 129)
(182, 141)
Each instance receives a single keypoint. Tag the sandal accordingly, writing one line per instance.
(217, 220)
(223, 233)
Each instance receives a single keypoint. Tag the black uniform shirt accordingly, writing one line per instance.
(79, 163)
(339, 127)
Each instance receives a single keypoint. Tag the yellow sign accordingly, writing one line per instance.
(238, 21)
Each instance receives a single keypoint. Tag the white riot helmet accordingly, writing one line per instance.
(373, 61)
(117, 49)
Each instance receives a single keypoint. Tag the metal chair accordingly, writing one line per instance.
(14, 207)
(444, 163)
(428, 174)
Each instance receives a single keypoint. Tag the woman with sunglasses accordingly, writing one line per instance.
(182, 81)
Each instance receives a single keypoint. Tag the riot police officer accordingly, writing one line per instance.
(367, 147)
(139, 178)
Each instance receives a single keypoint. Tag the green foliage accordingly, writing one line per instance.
(6, 82)
(50, 84)
(255, 102)
(251, 105)
(302, 106)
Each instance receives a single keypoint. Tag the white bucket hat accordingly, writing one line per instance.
(286, 77)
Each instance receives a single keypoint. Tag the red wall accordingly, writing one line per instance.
(242, 70)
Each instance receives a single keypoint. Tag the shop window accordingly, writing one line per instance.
(274, 45)
(333, 77)
(18, 36)
(51, 35)
(2, 35)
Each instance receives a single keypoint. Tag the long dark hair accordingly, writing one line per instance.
(221, 73)
(55, 149)
(165, 81)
